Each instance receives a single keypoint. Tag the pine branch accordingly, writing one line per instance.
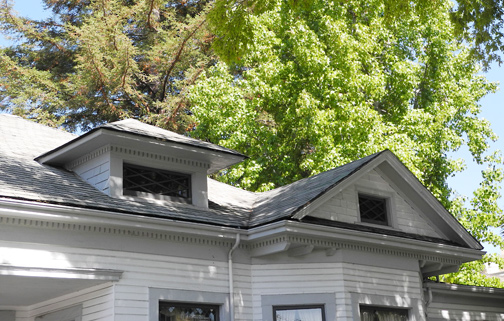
(176, 59)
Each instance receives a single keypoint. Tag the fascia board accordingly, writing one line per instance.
(73, 273)
(464, 290)
(364, 238)
(60, 155)
(71, 215)
(96, 139)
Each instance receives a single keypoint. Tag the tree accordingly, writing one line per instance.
(300, 86)
(311, 85)
(100, 61)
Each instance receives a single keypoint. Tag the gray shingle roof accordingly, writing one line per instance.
(21, 177)
(285, 201)
(135, 127)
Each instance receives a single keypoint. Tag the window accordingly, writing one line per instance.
(299, 313)
(176, 311)
(373, 313)
(145, 182)
(299, 307)
(373, 209)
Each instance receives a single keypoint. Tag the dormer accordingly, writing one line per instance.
(132, 160)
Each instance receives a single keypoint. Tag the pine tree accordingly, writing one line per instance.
(100, 61)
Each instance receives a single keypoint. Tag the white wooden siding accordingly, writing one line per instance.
(344, 208)
(278, 279)
(97, 305)
(342, 279)
(457, 312)
(141, 271)
(96, 172)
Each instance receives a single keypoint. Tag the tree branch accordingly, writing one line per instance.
(176, 59)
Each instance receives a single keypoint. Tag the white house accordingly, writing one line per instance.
(122, 224)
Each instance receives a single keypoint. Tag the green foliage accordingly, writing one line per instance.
(472, 273)
(301, 86)
(311, 85)
(100, 61)
(480, 22)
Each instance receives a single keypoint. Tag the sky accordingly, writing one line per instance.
(464, 183)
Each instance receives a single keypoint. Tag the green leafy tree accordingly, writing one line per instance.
(310, 85)
(99, 61)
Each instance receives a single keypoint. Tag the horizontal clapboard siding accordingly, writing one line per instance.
(398, 285)
(343, 207)
(130, 298)
(277, 279)
(456, 312)
(341, 279)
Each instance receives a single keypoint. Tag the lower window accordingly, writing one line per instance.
(177, 311)
(373, 313)
(299, 313)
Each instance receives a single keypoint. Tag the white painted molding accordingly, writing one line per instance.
(48, 216)
(74, 273)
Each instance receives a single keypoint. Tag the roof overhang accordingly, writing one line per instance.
(445, 294)
(30, 285)
(216, 159)
(342, 235)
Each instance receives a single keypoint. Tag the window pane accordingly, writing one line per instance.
(299, 314)
(139, 179)
(170, 311)
(373, 209)
(371, 313)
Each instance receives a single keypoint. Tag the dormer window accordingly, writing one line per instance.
(373, 210)
(156, 183)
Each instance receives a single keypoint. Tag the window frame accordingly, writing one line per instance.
(157, 295)
(147, 195)
(178, 304)
(326, 300)
(414, 306)
(384, 309)
(299, 307)
(386, 203)
(391, 205)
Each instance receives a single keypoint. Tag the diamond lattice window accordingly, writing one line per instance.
(373, 209)
(144, 181)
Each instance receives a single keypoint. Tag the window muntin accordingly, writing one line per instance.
(299, 313)
(144, 181)
(373, 209)
(177, 311)
(373, 313)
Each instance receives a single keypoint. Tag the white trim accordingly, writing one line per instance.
(414, 306)
(40, 215)
(186, 296)
(74, 273)
(390, 204)
(328, 300)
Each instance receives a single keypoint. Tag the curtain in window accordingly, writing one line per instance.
(314, 314)
(383, 315)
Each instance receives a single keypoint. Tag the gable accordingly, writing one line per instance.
(408, 187)
(403, 216)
